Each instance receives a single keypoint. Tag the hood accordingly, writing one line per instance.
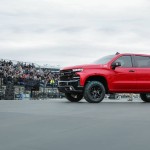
(86, 66)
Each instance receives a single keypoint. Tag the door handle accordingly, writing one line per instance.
(131, 71)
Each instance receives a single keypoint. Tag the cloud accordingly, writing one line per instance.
(72, 32)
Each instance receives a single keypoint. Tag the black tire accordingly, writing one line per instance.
(145, 97)
(74, 97)
(94, 92)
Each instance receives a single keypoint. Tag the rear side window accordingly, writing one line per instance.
(125, 61)
(142, 61)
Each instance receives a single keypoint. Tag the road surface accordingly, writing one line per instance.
(57, 124)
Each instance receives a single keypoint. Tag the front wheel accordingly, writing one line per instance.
(145, 97)
(74, 97)
(94, 92)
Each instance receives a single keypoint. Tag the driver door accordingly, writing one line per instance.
(123, 78)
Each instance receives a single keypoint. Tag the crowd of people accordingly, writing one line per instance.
(27, 74)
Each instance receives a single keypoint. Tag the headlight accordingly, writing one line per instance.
(77, 70)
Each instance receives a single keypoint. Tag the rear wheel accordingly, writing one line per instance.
(145, 97)
(94, 92)
(74, 97)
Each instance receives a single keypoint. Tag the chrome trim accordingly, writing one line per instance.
(76, 77)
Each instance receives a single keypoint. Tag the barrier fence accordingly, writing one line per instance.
(20, 93)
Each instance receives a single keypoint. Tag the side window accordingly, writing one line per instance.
(125, 61)
(142, 61)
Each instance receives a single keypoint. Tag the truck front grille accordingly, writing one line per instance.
(66, 75)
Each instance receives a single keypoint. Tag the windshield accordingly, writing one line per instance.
(104, 59)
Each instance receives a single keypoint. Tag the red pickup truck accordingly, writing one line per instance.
(120, 73)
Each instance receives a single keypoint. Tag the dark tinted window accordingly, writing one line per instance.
(125, 61)
(142, 61)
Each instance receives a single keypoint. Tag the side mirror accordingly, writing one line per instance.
(115, 64)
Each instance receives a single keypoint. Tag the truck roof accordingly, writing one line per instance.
(134, 54)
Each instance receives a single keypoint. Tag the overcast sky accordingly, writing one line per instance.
(69, 32)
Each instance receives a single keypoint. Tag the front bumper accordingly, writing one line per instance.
(71, 86)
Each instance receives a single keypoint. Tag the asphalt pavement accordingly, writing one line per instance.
(56, 124)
